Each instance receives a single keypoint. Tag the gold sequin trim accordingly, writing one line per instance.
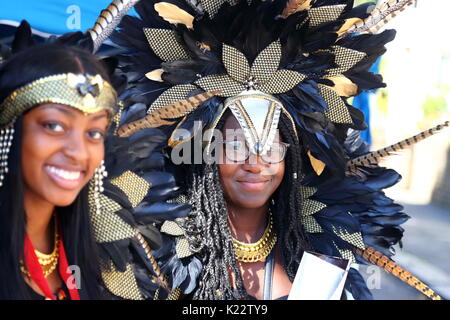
(345, 58)
(122, 284)
(337, 110)
(88, 94)
(345, 253)
(172, 228)
(182, 248)
(324, 14)
(175, 294)
(309, 206)
(235, 63)
(165, 45)
(172, 95)
(355, 238)
(267, 62)
(311, 225)
(212, 6)
(108, 226)
(135, 187)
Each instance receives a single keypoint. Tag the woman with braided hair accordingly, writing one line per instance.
(236, 200)
(296, 180)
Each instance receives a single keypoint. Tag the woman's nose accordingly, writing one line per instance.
(76, 147)
(254, 163)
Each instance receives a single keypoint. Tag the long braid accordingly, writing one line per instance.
(215, 248)
(287, 218)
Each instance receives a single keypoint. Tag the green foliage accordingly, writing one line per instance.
(358, 2)
(435, 105)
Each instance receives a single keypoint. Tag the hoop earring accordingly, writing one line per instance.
(6, 138)
(96, 185)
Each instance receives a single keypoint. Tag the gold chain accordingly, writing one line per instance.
(48, 262)
(257, 251)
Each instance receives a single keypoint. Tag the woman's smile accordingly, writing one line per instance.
(249, 184)
(63, 148)
(254, 184)
(65, 178)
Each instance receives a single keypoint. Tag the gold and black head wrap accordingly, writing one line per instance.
(84, 92)
(87, 93)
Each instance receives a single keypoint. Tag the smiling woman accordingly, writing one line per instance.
(63, 148)
(297, 190)
(56, 106)
(250, 190)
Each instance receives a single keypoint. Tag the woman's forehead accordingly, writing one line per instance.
(70, 111)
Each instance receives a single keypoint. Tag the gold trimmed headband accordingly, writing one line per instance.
(86, 93)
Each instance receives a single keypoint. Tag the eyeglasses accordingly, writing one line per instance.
(238, 151)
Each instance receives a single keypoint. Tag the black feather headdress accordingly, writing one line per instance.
(301, 58)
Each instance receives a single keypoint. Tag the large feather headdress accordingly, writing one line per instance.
(191, 60)
(302, 53)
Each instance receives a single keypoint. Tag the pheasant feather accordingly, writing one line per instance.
(380, 15)
(171, 111)
(380, 260)
(159, 276)
(375, 156)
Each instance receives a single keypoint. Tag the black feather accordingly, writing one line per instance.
(22, 38)
(118, 252)
(356, 285)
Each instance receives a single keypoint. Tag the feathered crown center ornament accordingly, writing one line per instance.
(263, 75)
(251, 83)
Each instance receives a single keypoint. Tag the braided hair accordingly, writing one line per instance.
(207, 227)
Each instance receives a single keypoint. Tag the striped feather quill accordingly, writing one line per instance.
(159, 276)
(380, 15)
(108, 20)
(374, 157)
(380, 260)
(172, 111)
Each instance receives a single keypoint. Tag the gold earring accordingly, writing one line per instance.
(96, 185)
(6, 138)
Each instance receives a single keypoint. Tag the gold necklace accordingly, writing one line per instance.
(257, 251)
(48, 262)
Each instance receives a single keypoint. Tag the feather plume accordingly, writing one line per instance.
(155, 75)
(22, 38)
(294, 6)
(173, 14)
(159, 276)
(375, 156)
(317, 165)
(171, 111)
(196, 6)
(108, 20)
(347, 25)
(380, 15)
(380, 260)
(343, 86)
